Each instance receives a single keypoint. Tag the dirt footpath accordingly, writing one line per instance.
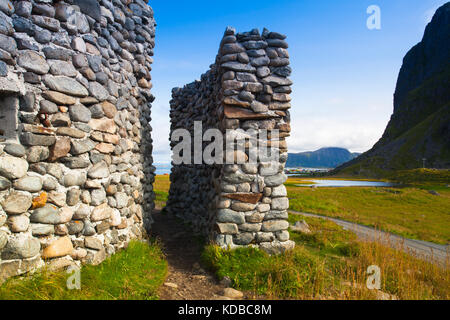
(186, 279)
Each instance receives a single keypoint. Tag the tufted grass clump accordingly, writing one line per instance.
(135, 273)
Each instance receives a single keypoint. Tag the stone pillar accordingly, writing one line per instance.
(240, 204)
(76, 169)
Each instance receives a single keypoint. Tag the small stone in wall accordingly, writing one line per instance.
(46, 215)
(17, 203)
(73, 196)
(102, 227)
(3, 239)
(89, 229)
(15, 150)
(59, 98)
(79, 254)
(28, 183)
(275, 225)
(103, 125)
(93, 243)
(4, 184)
(21, 246)
(98, 196)
(37, 154)
(75, 227)
(101, 212)
(40, 230)
(66, 85)
(105, 148)
(31, 139)
(70, 132)
(276, 180)
(60, 149)
(32, 61)
(280, 204)
(82, 146)
(48, 107)
(18, 223)
(57, 198)
(60, 120)
(227, 228)
(58, 248)
(109, 109)
(12, 167)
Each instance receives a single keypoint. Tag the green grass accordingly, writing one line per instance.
(162, 183)
(422, 177)
(287, 276)
(329, 263)
(411, 212)
(161, 198)
(161, 188)
(329, 238)
(135, 273)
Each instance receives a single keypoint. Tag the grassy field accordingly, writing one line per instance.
(328, 264)
(412, 212)
(135, 273)
(161, 188)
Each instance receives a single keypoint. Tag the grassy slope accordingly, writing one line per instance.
(328, 264)
(132, 274)
(410, 212)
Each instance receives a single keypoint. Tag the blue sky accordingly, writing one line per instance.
(344, 74)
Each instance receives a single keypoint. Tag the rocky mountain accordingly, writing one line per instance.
(323, 158)
(420, 125)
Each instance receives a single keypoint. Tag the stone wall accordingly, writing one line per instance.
(76, 168)
(246, 88)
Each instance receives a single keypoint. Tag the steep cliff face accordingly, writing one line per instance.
(420, 125)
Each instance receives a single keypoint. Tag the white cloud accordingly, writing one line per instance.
(160, 134)
(309, 134)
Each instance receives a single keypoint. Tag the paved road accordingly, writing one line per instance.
(426, 250)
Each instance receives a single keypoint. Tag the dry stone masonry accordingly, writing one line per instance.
(247, 88)
(76, 169)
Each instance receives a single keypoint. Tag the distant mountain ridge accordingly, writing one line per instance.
(322, 158)
(419, 129)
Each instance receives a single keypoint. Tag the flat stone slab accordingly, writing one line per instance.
(66, 85)
(252, 198)
(240, 113)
